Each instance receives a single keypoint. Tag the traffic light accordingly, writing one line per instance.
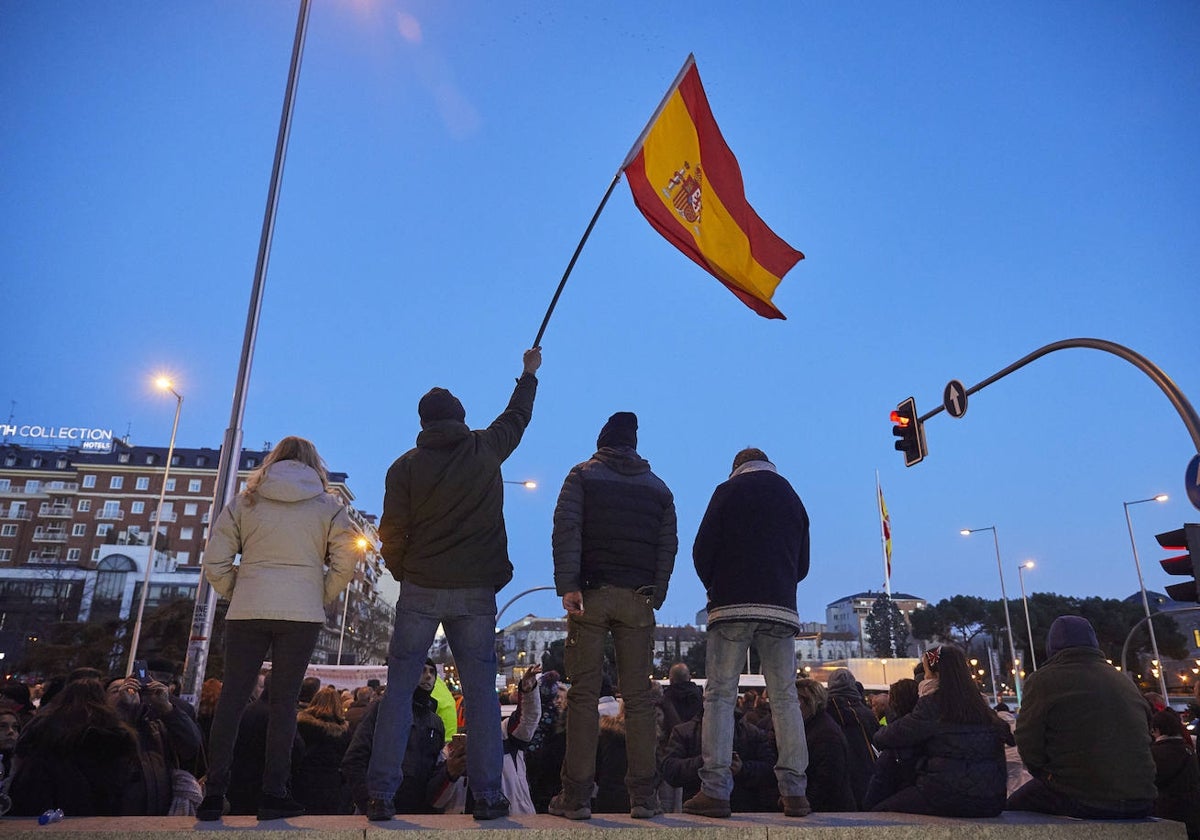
(909, 431)
(1186, 539)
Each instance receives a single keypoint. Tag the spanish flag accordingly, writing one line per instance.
(688, 185)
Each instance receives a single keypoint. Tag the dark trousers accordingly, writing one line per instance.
(247, 643)
(1036, 795)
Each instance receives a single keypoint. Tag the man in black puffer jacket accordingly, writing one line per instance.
(614, 550)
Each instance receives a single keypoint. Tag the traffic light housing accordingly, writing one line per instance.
(909, 431)
(1186, 539)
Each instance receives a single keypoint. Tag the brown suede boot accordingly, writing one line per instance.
(703, 805)
(796, 806)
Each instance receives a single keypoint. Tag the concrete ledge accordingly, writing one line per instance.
(1010, 826)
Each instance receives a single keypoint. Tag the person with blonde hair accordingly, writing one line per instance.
(288, 528)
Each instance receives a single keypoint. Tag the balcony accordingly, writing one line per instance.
(63, 486)
(45, 557)
(110, 514)
(55, 511)
(49, 535)
(15, 513)
(165, 516)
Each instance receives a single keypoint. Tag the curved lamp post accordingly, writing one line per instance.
(1162, 680)
(163, 384)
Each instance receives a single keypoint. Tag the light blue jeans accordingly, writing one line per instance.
(469, 618)
(726, 654)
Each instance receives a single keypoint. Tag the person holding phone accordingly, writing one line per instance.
(297, 547)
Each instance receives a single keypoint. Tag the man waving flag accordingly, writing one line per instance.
(688, 185)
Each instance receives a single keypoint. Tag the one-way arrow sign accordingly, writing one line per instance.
(954, 398)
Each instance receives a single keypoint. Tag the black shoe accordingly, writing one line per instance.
(278, 807)
(494, 810)
(212, 808)
(380, 810)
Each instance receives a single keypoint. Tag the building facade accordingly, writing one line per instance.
(75, 535)
(849, 615)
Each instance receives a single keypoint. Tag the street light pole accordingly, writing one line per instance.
(362, 543)
(1162, 679)
(165, 384)
(1012, 648)
(1028, 564)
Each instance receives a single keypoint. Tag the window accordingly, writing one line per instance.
(73, 554)
(5, 555)
(35, 461)
(112, 510)
(201, 460)
(32, 485)
(142, 483)
(185, 533)
(78, 530)
(116, 482)
(182, 557)
(175, 461)
(5, 484)
(95, 554)
(61, 463)
(102, 530)
(84, 505)
(137, 507)
(8, 530)
(189, 509)
(10, 460)
(89, 481)
(170, 485)
(123, 458)
(194, 485)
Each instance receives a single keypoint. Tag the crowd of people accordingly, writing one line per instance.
(594, 739)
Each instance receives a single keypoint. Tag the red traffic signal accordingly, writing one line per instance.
(909, 431)
(1186, 539)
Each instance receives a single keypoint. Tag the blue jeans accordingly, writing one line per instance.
(469, 618)
(726, 654)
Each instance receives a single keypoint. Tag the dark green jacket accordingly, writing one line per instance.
(443, 510)
(1084, 728)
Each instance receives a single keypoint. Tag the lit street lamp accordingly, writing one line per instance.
(883, 662)
(164, 384)
(363, 544)
(527, 484)
(1161, 497)
(1012, 648)
(1028, 564)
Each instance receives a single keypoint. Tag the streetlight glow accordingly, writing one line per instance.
(528, 484)
(1161, 497)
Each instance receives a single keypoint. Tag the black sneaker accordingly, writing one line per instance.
(212, 808)
(278, 807)
(494, 810)
(380, 810)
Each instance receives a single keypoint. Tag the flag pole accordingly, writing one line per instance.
(687, 65)
(578, 248)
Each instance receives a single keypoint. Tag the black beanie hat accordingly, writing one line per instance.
(440, 404)
(620, 430)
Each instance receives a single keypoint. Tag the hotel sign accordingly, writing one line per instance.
(87, 439)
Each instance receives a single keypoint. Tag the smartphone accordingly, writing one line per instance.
(459, 740)
(140, 672)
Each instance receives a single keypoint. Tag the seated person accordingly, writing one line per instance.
(755, 788)
(957, 742)
(828, 754)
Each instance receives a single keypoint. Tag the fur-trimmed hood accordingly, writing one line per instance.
(330, 728)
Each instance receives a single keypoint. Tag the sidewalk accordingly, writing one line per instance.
(1010, 826)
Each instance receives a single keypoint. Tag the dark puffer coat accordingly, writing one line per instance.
(754, 788)
(960, 767)
(87, 777)
(317, 780)
(425, 741)
(828, 766)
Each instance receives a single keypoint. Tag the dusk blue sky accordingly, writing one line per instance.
(969, 182)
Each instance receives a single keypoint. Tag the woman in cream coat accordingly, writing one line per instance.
(286, 526)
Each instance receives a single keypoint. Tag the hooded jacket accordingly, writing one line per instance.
(858, 723)
(285, 539)
(614, 525)
(442, 525)
(751, 549)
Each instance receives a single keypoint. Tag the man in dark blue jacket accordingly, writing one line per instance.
(614, 550)
(751, 552)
